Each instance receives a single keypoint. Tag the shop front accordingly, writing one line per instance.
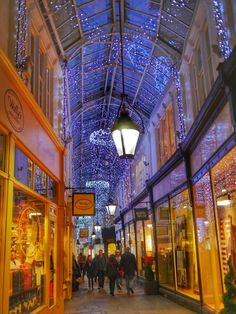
(31, 202)
(196, 217)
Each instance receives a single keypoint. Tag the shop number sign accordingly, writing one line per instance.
(83, 204)
(141, 213)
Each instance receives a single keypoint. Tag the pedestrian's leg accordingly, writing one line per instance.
(99, 280)
(131, 284)
(102, 279)
(113, 283)
(89, 282)
(92, 282)
(127, 283)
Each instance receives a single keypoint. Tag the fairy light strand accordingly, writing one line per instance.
(21, 36)
(222, 33)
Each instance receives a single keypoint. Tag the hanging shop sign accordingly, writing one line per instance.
(141, 213)
(83, 204)
(83, 232)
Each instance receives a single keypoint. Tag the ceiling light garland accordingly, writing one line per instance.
(181, 114)
(222, 33)
(65, 113)
(21, 36)
(101, 137)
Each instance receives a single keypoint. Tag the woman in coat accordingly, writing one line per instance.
(89, 269)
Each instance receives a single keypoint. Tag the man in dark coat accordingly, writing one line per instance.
(100, 264)
(129, 266)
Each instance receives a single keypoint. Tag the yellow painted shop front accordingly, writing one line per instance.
(31, 202)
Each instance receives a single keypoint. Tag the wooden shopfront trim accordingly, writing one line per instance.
(35, 130)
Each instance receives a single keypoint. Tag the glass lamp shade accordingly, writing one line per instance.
(111, 208)
(93, 235)
(125, 134)
(97, 227)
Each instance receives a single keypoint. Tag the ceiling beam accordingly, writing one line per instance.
(151, 53)
(76, 9)
(53, 26)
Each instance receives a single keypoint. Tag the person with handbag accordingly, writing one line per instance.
(100, 265)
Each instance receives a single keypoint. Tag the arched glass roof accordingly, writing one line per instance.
(86, 33)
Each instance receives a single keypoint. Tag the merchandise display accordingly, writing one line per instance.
(27, 273)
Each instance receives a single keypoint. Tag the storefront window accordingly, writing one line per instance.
(207, 244)
(1, 212)
(127, 236)
(27, 273)
(132, 239)
(23, 168)
(40, 181)
(122, 239)
(2, 151)
(184, 245)
(164, 246)
(140, 248)
(149, 243)
(52, 242)
(52, 190)
(224, 182)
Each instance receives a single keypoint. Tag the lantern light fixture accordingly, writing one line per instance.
(97, 227)
(111, 207)
(125, 132)
(93, 235)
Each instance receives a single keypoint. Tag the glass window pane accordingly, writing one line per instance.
(207, 243)
(27, 273)
(149, 243)
(23, 168)
(52, 190)
(184, 245)
(140, 248)
(40, 181)
(132, 239)
(52, 242)
(164, 246)
(224, 180)
(1, 213)
(2, 151)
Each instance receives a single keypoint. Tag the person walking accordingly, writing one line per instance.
(100, 268)
(82, 261)
(129, 265)
(112, 272)
(89, 269)
(119, 275)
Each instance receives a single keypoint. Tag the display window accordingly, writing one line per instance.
(40, 181)
(23, 168)
(127, 236)
(52, 258)
(184, 246)
(164, 245)
(224, 185)
(2, 151)
(27, 262)
(207, 244)
(149, 243)
(140, 248)
(1, 212)
(122, 240)
(132, 239)
(52, 190)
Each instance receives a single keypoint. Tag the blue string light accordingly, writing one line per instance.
(222, 33)
(21, 36)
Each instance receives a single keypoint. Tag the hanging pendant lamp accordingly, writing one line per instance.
(125, 132)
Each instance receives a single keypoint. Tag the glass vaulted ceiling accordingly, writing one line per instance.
(86, 33)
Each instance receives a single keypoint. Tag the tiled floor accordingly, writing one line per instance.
(96, 302)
